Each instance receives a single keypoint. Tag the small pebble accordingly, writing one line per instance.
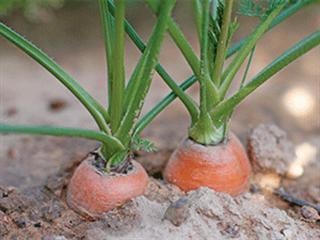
(37, 225)
(309, 213)
(53, 237)
(21, 223)
(287, 233)
(178, 211)
(232, 230)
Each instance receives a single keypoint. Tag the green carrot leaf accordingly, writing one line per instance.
(245, 50)
(222, 43)
(141, 144)
(258, 8)
(279, 63)
(184, 97)
(186, 49)
(140, 80)
(108, 35)
(112, 143)
(118, 70)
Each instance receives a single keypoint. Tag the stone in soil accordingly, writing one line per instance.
(178, 211)
(309, 214)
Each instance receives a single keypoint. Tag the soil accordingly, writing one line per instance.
(34, 171)
(41, 212)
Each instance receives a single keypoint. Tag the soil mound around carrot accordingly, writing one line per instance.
(207, 214)
(213, 215)
(164, 212)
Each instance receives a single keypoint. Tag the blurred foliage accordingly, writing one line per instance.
(30, 8)
(35, 9)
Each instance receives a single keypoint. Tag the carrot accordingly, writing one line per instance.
(211, 156)
(223, 167)
(92, 192)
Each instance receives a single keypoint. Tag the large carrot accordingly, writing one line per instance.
(211, 156)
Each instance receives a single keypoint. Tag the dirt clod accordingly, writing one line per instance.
(11, 111)
(270, 150)
(56, 105)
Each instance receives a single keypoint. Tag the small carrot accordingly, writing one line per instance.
(92, 193)
(97, 188)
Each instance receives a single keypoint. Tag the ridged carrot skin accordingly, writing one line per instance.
(92, 193)
(224, 167)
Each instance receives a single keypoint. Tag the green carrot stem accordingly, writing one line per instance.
(222, 43)
(234, 66)
(141, 78)
(198, 16)
(112, 143)
(247, 67)
(118, 80)
(185, 98)
(146, 119)
(204, 69)
(187, 51)
(279, 63)
(108, 41)
(94, 108)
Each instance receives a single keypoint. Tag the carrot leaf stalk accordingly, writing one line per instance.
(302, 47)
(245, 50)
(95, 109)
(113, 143)
(203, 130)
(186, 100)
(118, 77)
(108, 36)
(140, 80)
